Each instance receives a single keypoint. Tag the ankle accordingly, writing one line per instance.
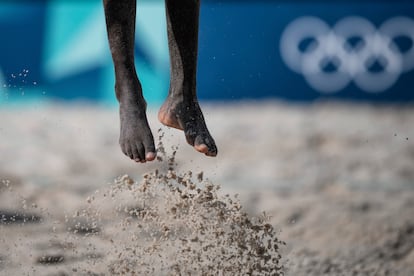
(182, 89)
(127, 92)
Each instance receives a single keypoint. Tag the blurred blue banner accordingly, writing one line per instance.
(294, 50)
(306, 50)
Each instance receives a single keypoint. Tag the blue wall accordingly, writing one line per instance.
(58, 49)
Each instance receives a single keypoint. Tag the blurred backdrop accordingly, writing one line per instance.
(293, 50)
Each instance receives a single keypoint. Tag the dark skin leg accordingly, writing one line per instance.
(181, 109)
(136, 139)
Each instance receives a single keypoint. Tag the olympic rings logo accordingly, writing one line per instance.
(331, 58)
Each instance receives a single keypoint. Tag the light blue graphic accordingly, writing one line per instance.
(75, 38)
(75, 61)
(78, 43)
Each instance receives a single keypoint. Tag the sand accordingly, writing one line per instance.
(331, 185)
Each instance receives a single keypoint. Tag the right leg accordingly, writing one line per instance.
(136, 139)
(181, 109)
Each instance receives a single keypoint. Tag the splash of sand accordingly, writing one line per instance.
(179, 224)
(167, 223)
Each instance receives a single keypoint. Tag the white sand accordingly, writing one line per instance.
(337, 179)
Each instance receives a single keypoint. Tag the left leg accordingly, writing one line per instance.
(181, 110)
(135, 139)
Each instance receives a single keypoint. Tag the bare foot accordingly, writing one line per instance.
(187, 116)
(136, 139)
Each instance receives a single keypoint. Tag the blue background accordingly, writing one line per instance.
(63, 46)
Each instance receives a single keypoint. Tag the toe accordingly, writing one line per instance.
(205, 144)
(212, 152)
(201, 148)
(128, 151)
(150, 152)
(212, 149)
(135, 153)
(123, 149)
(140, 152)
(191, 136)
(150, 156)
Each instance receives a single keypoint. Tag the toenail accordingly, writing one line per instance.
(150, 156)
(202, 148)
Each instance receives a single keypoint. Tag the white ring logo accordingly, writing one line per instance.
(333, 57)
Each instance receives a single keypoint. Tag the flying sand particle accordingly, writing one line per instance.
(173, 223)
